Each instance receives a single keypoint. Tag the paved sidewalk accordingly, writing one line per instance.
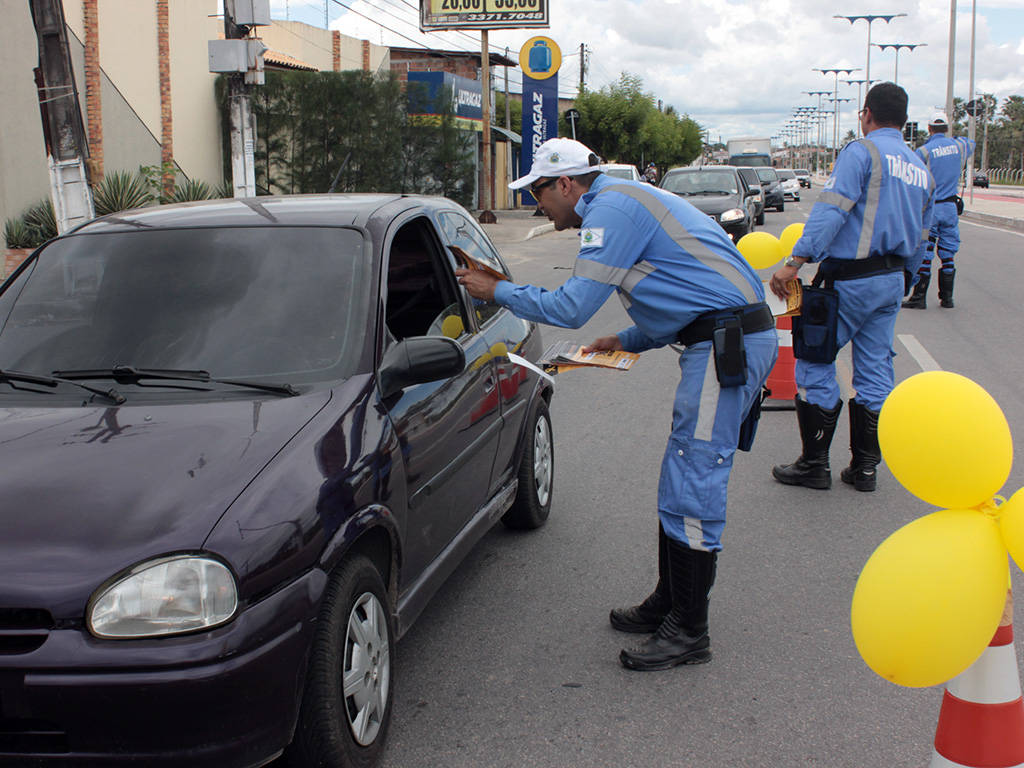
(514, 226)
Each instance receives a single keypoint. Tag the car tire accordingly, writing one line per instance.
(344, 726)
(532, 503)
(760, 219)
(780, 207)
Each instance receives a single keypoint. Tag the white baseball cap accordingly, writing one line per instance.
(938, 120)
(559, 157)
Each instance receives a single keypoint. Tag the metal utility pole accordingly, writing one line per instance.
(821, 116)
(64, 133)
(243, 124)
(835, 117)
(486, 214)
(971, 120)
(952, 57)
(583, 67)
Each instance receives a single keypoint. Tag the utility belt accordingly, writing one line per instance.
(725, 329)
(954, 199)
(851, 269)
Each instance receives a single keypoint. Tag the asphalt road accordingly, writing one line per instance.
(514, 663)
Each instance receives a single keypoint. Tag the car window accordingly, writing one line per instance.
(623, 173)
(767, 174)
(420, 296)
(702, 182)
(261, 302)
(463, 234)
(784, 174)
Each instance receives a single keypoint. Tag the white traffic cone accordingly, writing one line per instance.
(981, 723)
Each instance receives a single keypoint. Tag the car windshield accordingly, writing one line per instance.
(767, 174)
(278, 304)
(786, 175)
(702, 183)
(802, 172)
(621, 173)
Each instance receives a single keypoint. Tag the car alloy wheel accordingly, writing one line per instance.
(532, 503)
(366, 672)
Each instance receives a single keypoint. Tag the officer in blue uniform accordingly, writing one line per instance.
(946, 158)
(682, 281)
(863, 232)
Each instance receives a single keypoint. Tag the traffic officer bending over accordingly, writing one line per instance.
(864, 230)
(946, 158)
(681, 280)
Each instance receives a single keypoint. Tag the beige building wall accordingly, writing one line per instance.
(315, 46)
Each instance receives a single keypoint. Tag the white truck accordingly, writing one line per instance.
(750, 152)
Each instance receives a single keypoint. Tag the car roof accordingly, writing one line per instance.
(345, 210)
(704, 168)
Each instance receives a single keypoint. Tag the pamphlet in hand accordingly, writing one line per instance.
(788, 306)
(470, 263)
(566, 355)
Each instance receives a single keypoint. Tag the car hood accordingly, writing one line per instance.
(712, 204)
(88, 492)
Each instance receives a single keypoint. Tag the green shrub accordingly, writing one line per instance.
(120, 191)
(17, 234)
(41, 221)
(193, 190)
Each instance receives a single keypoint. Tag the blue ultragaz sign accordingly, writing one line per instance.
(466, 94)
(540, 120)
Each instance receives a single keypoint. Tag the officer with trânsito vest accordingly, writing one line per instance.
(682, 281)
(946, 158)
(863, 232)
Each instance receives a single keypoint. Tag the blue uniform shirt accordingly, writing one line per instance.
(877, 201)
(669, 262)
(946, 157)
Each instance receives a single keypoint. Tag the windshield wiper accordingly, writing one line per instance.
(132, 375)
(9, 377)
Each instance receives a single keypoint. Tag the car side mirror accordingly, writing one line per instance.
(751, 192)
(418, 360)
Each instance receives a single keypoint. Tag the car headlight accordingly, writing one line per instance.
(166, 596)
(734, 215)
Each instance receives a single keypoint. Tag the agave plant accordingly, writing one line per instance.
(17, 234)
(41, 221)
(120, 191)
(192, 190)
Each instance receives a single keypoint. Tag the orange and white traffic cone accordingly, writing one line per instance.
(782, 380)
(981, 723)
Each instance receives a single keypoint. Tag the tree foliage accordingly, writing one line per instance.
(621, 123)
(313, 127)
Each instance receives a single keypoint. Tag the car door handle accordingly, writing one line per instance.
(489, 381)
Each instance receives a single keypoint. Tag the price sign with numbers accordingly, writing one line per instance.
(482, 14)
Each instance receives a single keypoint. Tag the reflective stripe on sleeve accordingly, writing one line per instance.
(840, 202)
(684, 239)
(871, 204)
(601, 273)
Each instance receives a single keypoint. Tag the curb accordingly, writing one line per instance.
(549, 227)
(991, 218)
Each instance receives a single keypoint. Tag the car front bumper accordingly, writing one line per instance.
(226, 697)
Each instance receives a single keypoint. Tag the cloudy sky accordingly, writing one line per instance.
(737, 67)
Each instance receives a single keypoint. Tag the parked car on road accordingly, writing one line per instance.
(772, 184)
(242, 443)
(718, 191)
(622, 171)
(803, 176)
(790, 184)
(980, 179)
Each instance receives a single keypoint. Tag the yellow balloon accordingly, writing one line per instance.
(930, 598)
(1011, 523)
(760, 249)
(788, 238)
(945, 439)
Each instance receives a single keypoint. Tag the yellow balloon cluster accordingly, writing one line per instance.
(760, 249)
(789, 236)
(931, 596)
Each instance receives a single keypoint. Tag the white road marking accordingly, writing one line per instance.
(918, 352)
(994, 229)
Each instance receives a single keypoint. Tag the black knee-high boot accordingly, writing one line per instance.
(683, 636)
(946, 288)
(647, 617)
(919, 298)
(817, 426)
(861, 473)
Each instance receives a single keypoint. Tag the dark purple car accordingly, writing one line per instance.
(241, 445)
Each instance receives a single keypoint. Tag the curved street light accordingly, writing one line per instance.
(897, 46)
(869, 20)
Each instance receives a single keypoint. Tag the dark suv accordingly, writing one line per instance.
(720, 192)
(753, 181)
(772, 184)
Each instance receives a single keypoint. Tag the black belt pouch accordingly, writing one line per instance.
(816, 328)
(748, 429)
(730, 353)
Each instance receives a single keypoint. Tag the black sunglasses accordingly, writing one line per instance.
(537, 188)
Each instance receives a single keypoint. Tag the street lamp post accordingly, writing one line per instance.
(835, 119)
(896, 47)
(819, 94)
(859, 102)
(835, 145)
(869, 20)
